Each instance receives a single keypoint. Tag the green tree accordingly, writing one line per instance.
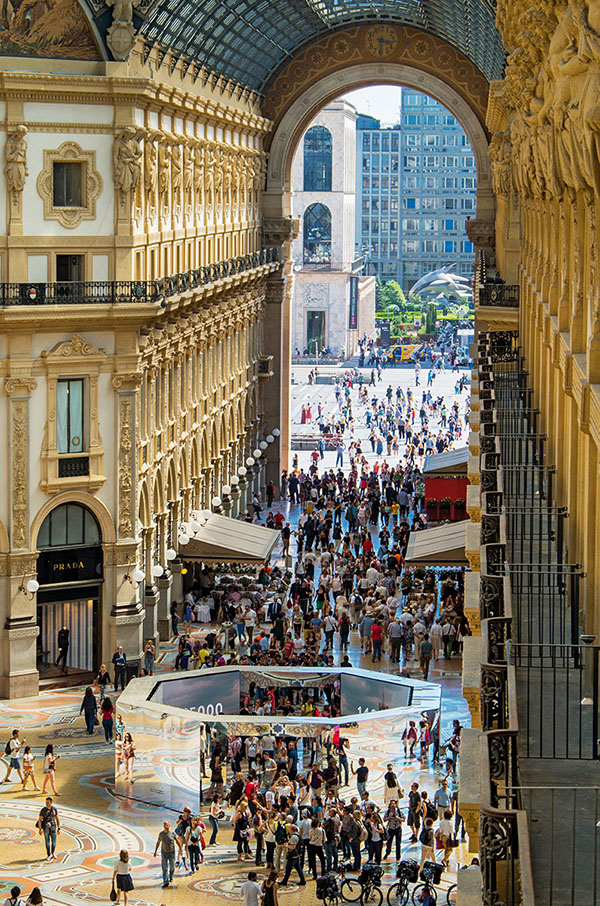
(430, 318)
(392, 295)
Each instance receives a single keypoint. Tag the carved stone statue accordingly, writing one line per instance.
(188, 175)
(199, 176)
(15, 167)
(164, 172)
(121, 34)
(127, 159)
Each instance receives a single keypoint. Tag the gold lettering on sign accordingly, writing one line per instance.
(125, 468)
(20, 493)
(62, 566)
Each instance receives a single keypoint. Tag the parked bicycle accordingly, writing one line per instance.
(407, 873)
(425, 893)
(335, 888)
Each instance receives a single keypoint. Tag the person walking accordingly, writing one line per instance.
(128, 756)
(426, 839)
(35, 898)
(48, 824)
(393, 820)
(107, 710)
(361, 774)
(269, 890)
(89, 708)
(122, 876)
(12, 750)
(250, 890)
(442, 800)
(50, 760)
(444, 835)
(28, 768)
(166, 841)
(293, 861)
(216, 812)
(414, 811)
(391, 786)
(425, 655)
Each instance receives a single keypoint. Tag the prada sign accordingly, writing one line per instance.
(62, 564)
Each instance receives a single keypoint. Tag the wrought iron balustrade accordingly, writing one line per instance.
(114, 292)
(73, 466)
(499, 295)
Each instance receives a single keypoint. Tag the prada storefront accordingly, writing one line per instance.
(70, 573)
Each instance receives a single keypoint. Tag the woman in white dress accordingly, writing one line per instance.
(203, 610)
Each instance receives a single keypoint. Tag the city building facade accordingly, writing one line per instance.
(333, 304)
(415, 189)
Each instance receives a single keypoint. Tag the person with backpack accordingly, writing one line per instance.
(14, 899)
(427, 839)
(293, 862)
(281, 839)
(48, 824)
(12, 750)
(391, 788)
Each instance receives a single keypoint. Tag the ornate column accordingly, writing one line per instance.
(278, 339)
(126, 613)
(18, 609)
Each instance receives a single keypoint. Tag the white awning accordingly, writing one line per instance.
(222, 540)
(446, 464)
(443, 545)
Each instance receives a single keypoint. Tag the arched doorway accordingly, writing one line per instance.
(335, 66)
(69, 600)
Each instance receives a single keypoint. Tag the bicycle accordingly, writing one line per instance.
(451, 895)
(407, 873)
(430, 874)
(334, 887)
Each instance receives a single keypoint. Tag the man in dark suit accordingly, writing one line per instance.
(119, 659)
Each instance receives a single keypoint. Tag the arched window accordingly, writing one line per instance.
(317, 234)
(68, 525)
(317, 160)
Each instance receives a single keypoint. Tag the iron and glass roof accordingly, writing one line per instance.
(249, 40)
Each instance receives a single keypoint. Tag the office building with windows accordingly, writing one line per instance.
(415, 190)
(333, 305)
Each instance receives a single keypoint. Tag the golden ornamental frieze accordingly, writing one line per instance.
(349, 47)
(74, 348)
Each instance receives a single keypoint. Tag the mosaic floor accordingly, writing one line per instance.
(99, 818)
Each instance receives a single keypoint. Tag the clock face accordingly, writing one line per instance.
(381, 40)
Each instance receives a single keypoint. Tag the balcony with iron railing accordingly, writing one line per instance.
(115, 292)
(540, 679)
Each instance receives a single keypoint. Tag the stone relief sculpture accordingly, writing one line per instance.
(164, 176)
(151, 171)
(15, 167)
(188, 176)
(127, 159)
(199, 176)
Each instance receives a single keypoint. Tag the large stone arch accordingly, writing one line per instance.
(303, 107)
(338, 63)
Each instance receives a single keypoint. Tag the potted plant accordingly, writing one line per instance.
(431, 505)
(444, 507)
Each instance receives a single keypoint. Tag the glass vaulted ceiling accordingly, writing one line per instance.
(248, 40)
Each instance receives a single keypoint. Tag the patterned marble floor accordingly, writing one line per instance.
(99, 818)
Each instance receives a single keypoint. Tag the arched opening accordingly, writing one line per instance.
(294, 115)
(69, 600)
(316, 241)
(318, 154)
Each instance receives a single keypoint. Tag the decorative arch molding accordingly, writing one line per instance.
(99, 509)
(348, 48)
(318, 90)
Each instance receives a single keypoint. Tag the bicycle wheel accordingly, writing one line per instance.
(419, 890)
(351, 890)
(397, 894)
(371, 895)
(451, 896)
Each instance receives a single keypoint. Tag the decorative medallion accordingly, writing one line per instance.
(381, 40)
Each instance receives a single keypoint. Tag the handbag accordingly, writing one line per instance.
(452, 843)
(113, 894)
